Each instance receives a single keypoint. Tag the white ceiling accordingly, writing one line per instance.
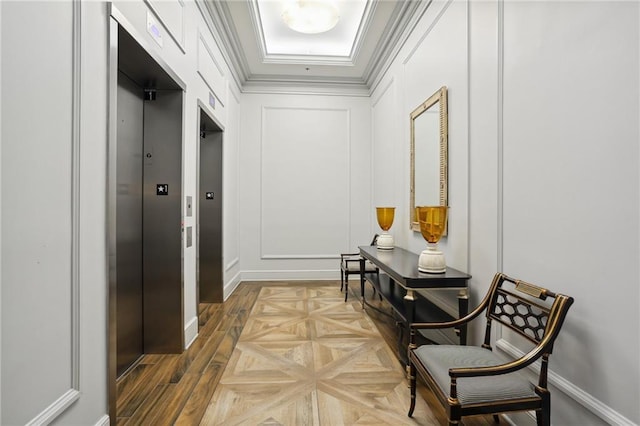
(267, 55)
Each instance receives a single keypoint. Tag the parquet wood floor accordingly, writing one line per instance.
(303, 357)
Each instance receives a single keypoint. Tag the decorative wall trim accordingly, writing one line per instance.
(220, 91)
(500, 129)
(290, 275)
(427, 32)
(55, 409)
(178, 39)
(75, 193)
(269, 256)
(382, 92)
(392, 42)
(190, 332)
(299, 256)
(500, 143)
(214, 17)
(588, 401)
(231, 264)
(264, 85)
(72, 395)
(103, 421)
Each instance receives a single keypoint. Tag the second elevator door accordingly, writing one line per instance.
(210, 213)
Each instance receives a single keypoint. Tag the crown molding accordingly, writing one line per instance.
(218, 17)
(287, 85)
(406, 17)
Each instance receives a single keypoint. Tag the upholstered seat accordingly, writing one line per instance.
(470, 380)
(472, 390)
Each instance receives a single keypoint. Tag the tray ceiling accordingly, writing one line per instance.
(267, 55)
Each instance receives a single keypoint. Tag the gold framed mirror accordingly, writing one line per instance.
(429, 154)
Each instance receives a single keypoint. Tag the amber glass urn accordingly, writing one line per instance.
(385, 220)
(433, 222)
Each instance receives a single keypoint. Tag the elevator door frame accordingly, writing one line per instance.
(202, 109)
(116, 20)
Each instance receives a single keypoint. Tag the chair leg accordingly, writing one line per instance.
(341, 279)
(543, 415)
(346, 287)
(496, 418)
(412, 383)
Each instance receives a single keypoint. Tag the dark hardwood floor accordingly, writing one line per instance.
(176, 389)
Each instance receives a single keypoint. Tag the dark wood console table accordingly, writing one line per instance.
(407, 290)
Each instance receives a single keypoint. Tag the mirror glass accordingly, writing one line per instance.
(429, 134)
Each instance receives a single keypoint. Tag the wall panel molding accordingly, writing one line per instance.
(588, 401)
(382, 92)
(317, 163)
(73, 394)
(424, 36)
(289, 275)
(211, 71)
(232, 263)
(164, 15)
(43, 267)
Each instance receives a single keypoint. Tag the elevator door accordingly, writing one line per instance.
(129, 220)
(210, 212)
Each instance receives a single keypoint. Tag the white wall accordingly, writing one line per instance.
(39, 251)
(38, 317)
(304, 184)
(433, 56)
(544, 164)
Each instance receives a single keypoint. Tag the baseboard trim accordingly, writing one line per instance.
(190, 332)
(588, 401)
(104, 421)
(230, 286)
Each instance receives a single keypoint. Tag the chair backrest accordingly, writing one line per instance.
(531, 311)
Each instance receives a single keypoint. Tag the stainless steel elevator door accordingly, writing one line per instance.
(210, 218)
(162, 224)
(129, 224)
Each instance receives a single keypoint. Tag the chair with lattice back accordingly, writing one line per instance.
(471, 380)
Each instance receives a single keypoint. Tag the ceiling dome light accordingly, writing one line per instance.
(310, 16)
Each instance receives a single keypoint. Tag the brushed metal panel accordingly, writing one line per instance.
(162, 230)
(210, 217)
(129, 223)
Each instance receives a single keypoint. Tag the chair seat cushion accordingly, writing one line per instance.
(438, 359)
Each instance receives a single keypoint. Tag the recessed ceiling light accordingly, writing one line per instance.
(310, 16)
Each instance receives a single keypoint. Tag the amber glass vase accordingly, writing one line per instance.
(433, 222)
(385, 220)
